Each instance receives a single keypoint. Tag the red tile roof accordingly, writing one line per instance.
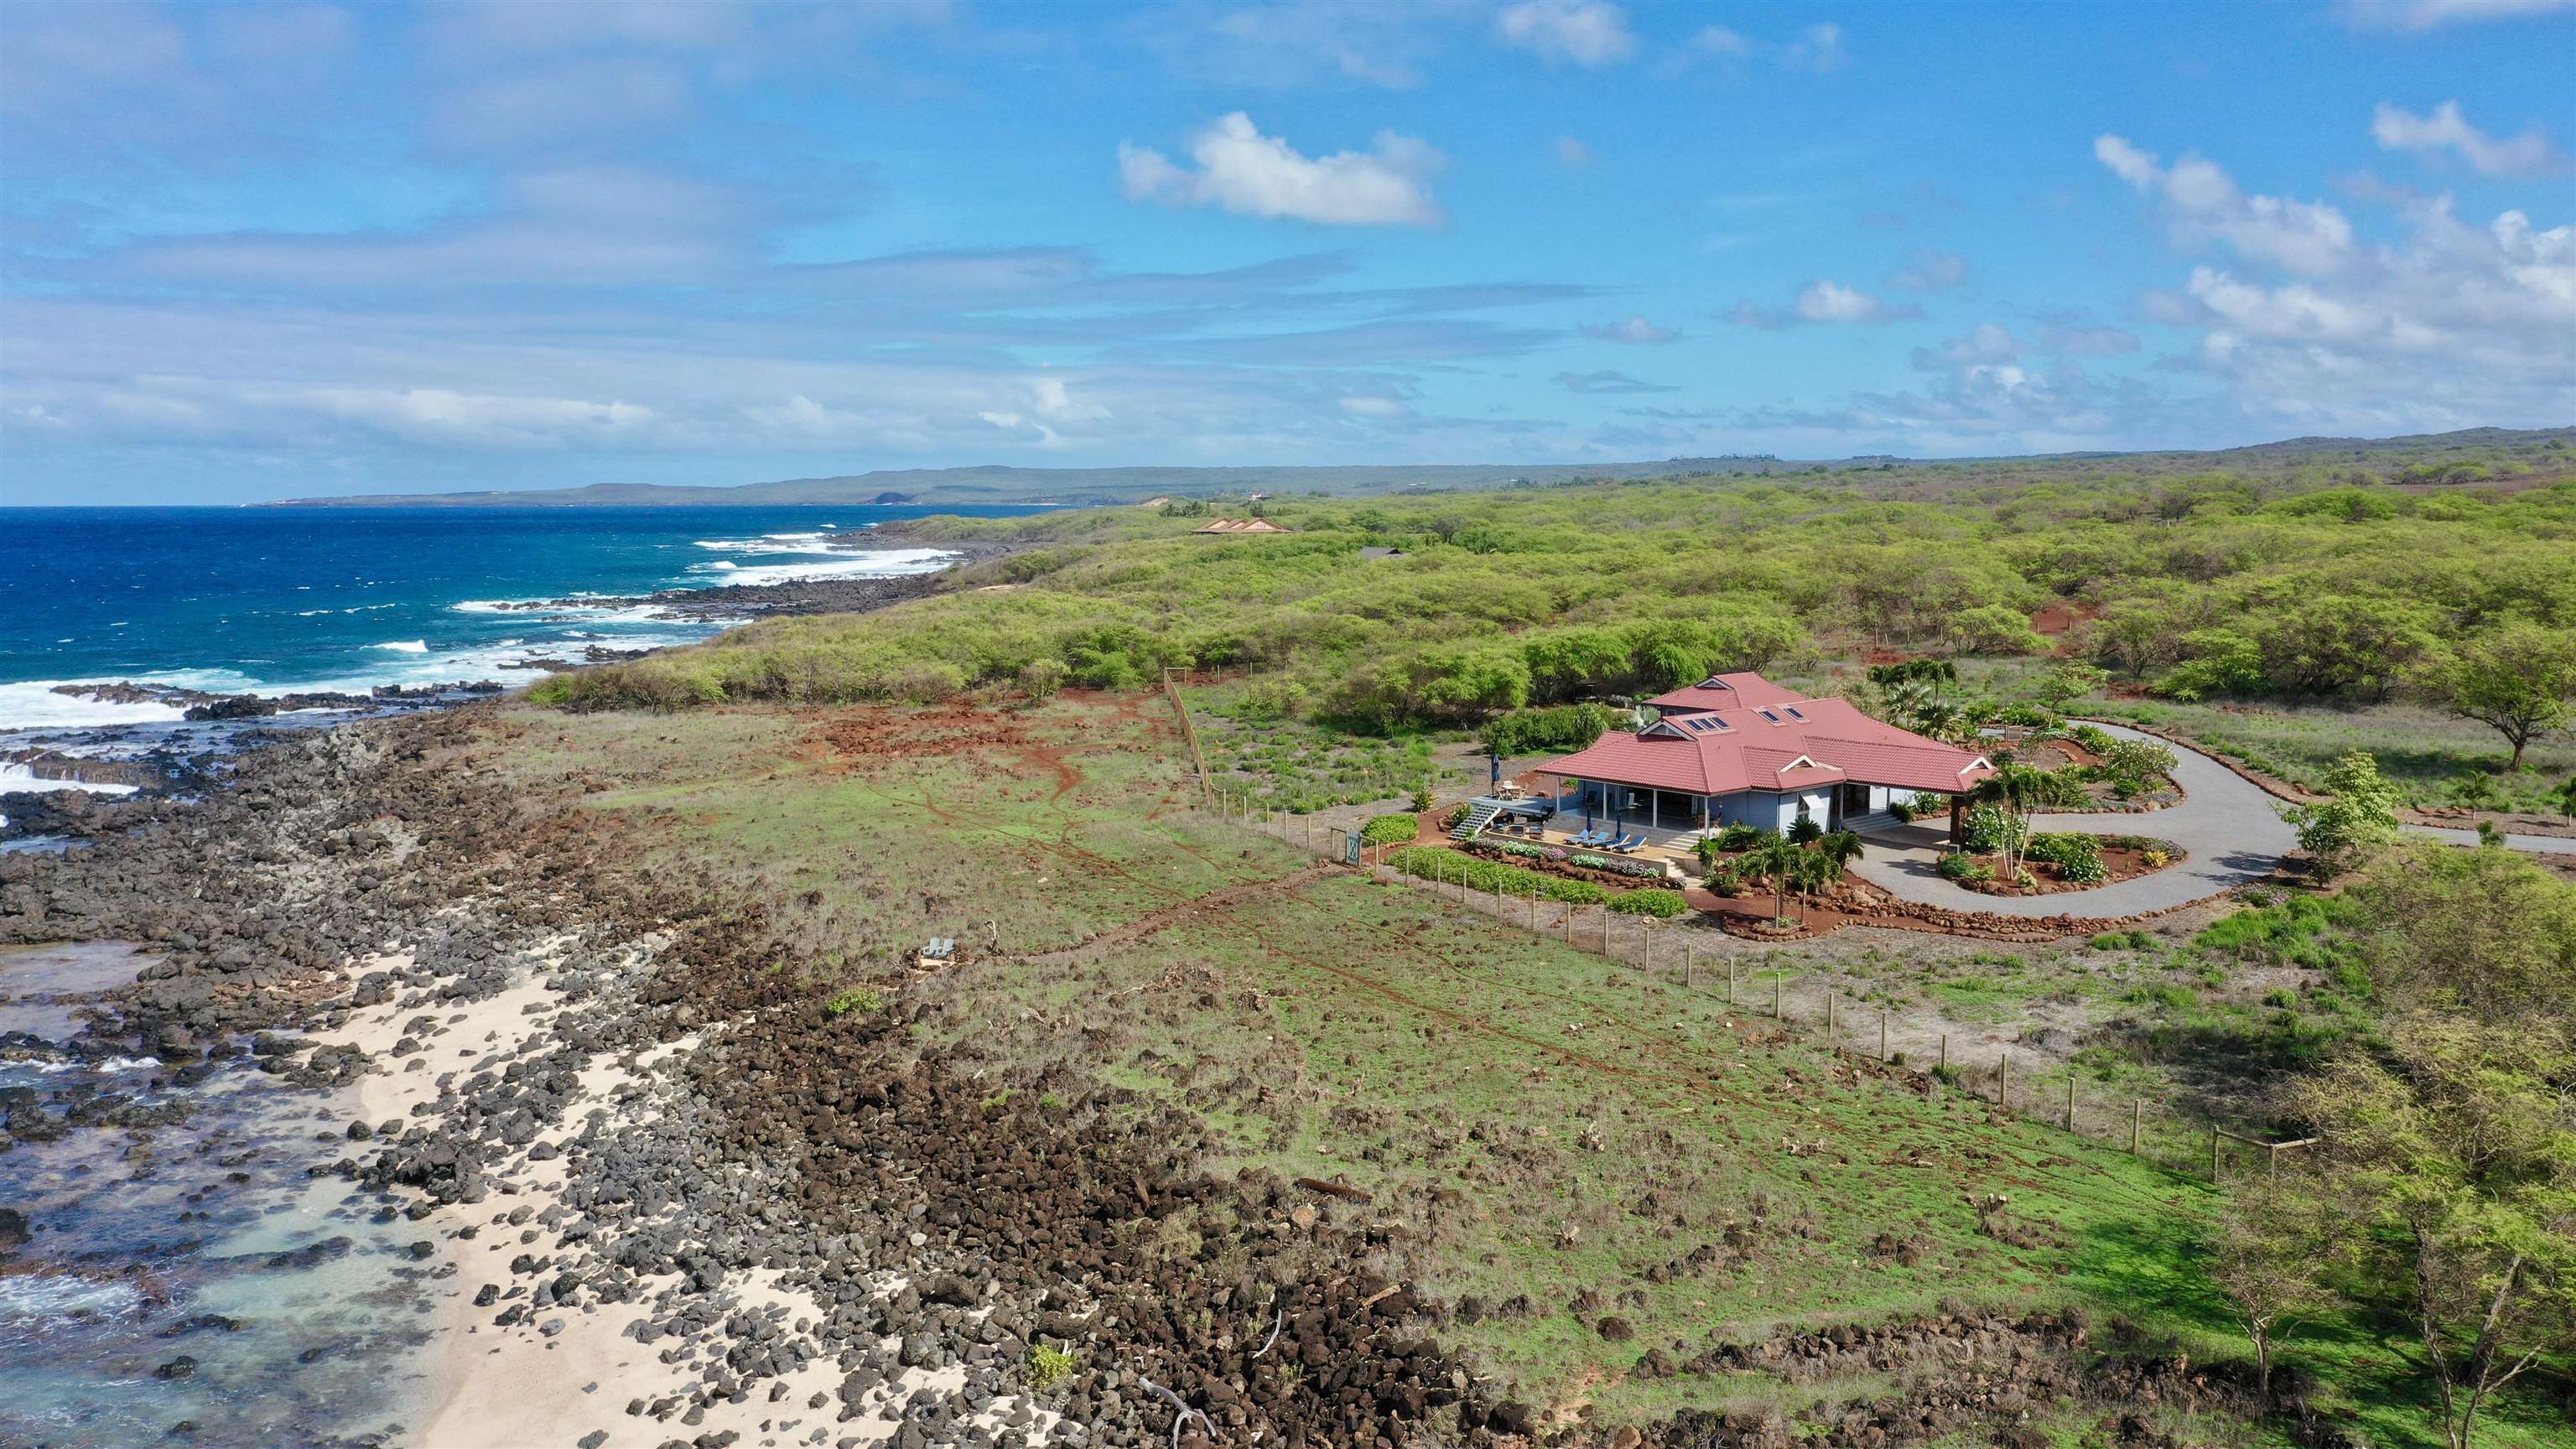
(1742, 690)
(1785, 742)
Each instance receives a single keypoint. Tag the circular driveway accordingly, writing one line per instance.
(2231, 832)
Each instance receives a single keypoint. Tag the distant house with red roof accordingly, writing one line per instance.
(1739, 749)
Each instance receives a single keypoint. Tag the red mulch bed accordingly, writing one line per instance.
(2123, 862)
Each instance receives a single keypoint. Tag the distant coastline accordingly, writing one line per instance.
(1112, 486)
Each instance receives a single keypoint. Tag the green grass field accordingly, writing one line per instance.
(1563, 1134)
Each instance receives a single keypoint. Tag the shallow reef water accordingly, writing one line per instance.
(178, 1271)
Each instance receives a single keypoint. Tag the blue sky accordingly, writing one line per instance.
(257, 251)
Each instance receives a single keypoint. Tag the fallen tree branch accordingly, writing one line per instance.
(1333, 1189)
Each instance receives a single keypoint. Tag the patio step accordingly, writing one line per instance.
(1475, 822)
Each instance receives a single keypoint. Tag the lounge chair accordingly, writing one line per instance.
(1628, 842)
(1587, 838)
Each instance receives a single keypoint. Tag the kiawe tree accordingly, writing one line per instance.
(2449, 1162)
(2359, 817)
(2518, 680)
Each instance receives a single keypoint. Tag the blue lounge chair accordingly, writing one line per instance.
(1628, 842)
(1588, 838)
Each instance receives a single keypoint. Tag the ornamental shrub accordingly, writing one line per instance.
(1740, 836)
(1966, 869)
(1804, 830)
(1432, 863)
(2092, 737)
(1390, 830)
(1663, 905)
(2078, 858)
(1990, 829)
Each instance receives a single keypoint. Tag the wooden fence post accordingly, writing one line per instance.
(2137, 1119)
(1945, 1049)
(2003, 1081)
(1830, 1040)
(1882, 1033)
(2070, 1102)
(2213, 1152)
(1730, 984)
(1776, 995)
(1690, 965)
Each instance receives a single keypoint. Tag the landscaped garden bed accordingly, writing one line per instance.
(2057, 862)
(1618, 872)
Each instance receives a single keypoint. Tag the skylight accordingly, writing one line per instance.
(1766, 714)
(1793, 712)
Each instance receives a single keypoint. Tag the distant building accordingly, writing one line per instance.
(1241, 525)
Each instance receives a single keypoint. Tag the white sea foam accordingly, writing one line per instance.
(818, 543)
(23, 780)
(404, 646)
(34, 705)
(883, 564)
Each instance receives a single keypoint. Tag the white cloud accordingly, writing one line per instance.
(1821, 301)
(1588, 33)
(1817, 48)
(2455, 325)
(2445, 129)
(2415, 16)
(1830, 301)
(1635, 331)
(2203, 203)
(1571, 152)
(1245, 172)
(1931, 271)
(1716, 40)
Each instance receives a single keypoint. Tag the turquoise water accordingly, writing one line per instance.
(268, 600)
(157, 1244)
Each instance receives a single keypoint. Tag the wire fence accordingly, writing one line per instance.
(1695, 957)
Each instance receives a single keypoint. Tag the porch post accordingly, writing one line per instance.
(1655, 809)
(1958, 821)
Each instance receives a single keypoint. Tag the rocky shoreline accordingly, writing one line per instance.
(793, 1223)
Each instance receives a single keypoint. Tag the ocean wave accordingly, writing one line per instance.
(404, 646)
(884, 564)
(23, 780)
(34, 705)
(815, 543)
(32, 1300)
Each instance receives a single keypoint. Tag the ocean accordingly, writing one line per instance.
(273, 600)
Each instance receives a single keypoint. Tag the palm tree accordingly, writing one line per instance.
(1838, 850)
(1778, 858)
(2017, 789)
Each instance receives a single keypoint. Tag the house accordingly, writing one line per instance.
(1241, 525)
(1739, 749)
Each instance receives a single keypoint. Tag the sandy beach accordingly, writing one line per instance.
(575, 1375)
